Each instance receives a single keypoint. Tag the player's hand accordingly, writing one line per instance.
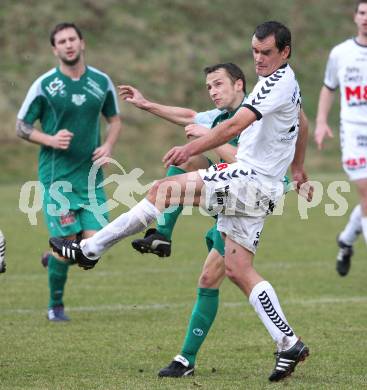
(62, 139)
(194, 130)
(322, 131)
(132, 95)
(102, 154)
(302, 185)
(176, 156)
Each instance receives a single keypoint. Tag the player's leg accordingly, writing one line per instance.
(2, 252)
(204, 310)
(354, 164)
(346, 239)
(357, 223)
(185, 189)
(159, 241)
(262, 296)
(65, 226)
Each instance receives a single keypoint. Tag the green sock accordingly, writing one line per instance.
(202, 317)
(57, 275)
(168, 220)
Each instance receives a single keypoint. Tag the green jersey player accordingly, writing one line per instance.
(68, 101)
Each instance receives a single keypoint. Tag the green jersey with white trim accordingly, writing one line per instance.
(60, 102)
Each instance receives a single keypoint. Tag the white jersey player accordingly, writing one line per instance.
(245, 191)
(347, 70)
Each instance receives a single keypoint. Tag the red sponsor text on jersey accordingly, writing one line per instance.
(355, 163)
(219, 167)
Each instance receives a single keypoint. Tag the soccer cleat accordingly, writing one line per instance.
(71, 250)
(286, 361)
(2, 253)
(57, 314)
(179, 367)
(343, 258)
(153, 242)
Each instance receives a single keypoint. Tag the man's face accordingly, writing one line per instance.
(360, 18)
(267, 57)
(222, 90)
(68, 46)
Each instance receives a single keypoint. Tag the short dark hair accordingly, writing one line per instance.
(358, 2)
(234, 72)
(63, 26)
(282, 35)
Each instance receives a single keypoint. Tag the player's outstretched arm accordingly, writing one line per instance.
(218, 136)
(322, 128)
(179, 115)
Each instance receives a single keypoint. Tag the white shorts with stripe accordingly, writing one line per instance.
(242, 199)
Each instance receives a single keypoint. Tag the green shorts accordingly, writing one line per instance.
(76, 218)
(214, 240)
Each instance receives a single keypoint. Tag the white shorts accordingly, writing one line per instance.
(353, 140)
(242, 199)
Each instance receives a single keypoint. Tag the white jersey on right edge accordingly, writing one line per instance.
(347, 68)
(268, 144)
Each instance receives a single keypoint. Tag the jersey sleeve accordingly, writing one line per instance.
(269, 94)
(110, 107)
(331, 72)
(206, 118)
(31, 109)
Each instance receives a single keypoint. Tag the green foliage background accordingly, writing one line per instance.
(160, 46)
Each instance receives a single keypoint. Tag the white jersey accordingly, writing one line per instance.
(268, 144)
(347, 68)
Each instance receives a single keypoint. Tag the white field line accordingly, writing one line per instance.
(164, 306)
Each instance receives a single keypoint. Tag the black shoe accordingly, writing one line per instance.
(153, 242)
(286, 361)
(177, 368)
(57, 314)
(2, 253)
(343, 259)
(70, 250)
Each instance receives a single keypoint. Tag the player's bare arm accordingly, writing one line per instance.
(225, 152)
(218, 136)
(113, 132)
(60, 140)
(177, 115)
(299, 174)
(322, 128)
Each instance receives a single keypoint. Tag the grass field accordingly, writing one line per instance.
(129, 314)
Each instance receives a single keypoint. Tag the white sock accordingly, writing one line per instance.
(353, 228)
(364, 228)
(131, 222)
(265, 302)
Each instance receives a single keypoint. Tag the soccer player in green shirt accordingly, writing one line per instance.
(226, 85)
(68, 101)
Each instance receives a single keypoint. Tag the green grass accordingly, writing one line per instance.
(129, 314)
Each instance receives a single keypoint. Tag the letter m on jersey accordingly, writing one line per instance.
(357, 93)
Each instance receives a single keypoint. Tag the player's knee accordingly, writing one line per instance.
(207, 280)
